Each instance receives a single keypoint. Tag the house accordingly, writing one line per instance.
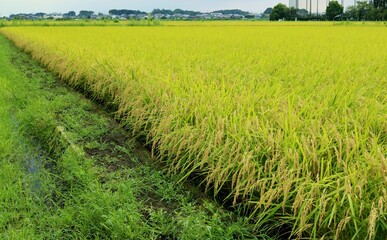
(142, 16)
(53, 16)
(180, 16)
(237, 16)
(203, 16)
(216, 15)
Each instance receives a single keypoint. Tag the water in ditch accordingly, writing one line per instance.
(32, 160)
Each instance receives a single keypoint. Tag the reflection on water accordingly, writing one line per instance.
(34, 163)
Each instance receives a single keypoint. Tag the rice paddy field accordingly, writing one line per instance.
(288, 121)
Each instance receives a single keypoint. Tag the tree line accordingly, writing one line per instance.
(125, 12)
(193, 13)
(375, 10)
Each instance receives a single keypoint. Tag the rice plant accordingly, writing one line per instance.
(290, 120)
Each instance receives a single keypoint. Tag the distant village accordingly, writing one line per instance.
(125, 14)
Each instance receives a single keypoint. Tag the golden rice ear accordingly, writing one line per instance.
(289, 120)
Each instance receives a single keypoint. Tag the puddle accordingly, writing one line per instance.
(33, 162)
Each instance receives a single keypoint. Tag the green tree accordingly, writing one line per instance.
(334, 9)
(351, 13)
(268, 10)
(85, 14)
(379, 4)
(293, 14)
(280, 11)
(365, 11)
(303, 12)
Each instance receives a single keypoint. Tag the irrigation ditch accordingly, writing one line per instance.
(105, 183)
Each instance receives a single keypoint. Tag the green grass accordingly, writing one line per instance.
(103, 191)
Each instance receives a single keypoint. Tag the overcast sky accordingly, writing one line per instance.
(33, 6)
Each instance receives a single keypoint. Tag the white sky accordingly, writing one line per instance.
(48, 6)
